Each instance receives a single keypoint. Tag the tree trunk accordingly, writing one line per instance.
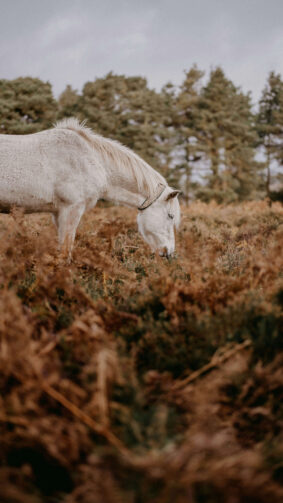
(215, 168)
(267, 185)
(188, 173)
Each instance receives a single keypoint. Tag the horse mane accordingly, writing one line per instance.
(124, 159)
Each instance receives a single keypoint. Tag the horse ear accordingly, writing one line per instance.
(173, 194)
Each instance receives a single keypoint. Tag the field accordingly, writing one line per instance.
(126, 378)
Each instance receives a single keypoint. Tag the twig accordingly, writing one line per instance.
(20, 421)
(49, 347)
(93, 425)
(214, 363)
(96, 427)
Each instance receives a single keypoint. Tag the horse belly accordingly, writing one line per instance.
(25, 195)
(23, 183)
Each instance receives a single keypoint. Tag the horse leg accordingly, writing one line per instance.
(68, 221)
(54, 217)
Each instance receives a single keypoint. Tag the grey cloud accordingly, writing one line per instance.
(72, 41)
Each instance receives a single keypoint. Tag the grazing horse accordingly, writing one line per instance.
(66, 169)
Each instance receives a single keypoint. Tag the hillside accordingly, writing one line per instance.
(128, 378)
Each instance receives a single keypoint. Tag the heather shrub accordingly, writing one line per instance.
(125, 377)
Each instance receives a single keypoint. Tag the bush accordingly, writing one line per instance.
(128, 377)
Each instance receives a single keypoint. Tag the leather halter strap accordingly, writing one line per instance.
(150, 200)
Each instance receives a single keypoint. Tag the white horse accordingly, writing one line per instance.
(65, 170)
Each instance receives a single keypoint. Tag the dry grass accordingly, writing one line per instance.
(127, 378)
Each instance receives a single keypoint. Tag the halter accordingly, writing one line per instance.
(149, 201)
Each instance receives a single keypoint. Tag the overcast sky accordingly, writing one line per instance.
(74, 41)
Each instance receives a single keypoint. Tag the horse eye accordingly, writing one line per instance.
(170, 215)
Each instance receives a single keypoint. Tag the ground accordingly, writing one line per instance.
(128, 378)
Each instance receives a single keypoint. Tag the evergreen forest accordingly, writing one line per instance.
(205, 136)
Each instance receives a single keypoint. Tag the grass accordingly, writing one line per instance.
(128, 378)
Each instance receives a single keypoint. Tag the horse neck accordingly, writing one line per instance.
(120, 195)
(129, 181)
(123, 188)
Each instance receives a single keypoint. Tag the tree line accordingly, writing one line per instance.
(204, 136)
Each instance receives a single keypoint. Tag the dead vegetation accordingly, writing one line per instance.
(127, 378)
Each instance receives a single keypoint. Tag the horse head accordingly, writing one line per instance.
(157, 217)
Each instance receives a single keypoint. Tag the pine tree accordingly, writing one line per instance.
(270, 123)
(68, 103)
(227, 136)
(125, 109)
(186, 114)
(26, 105)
